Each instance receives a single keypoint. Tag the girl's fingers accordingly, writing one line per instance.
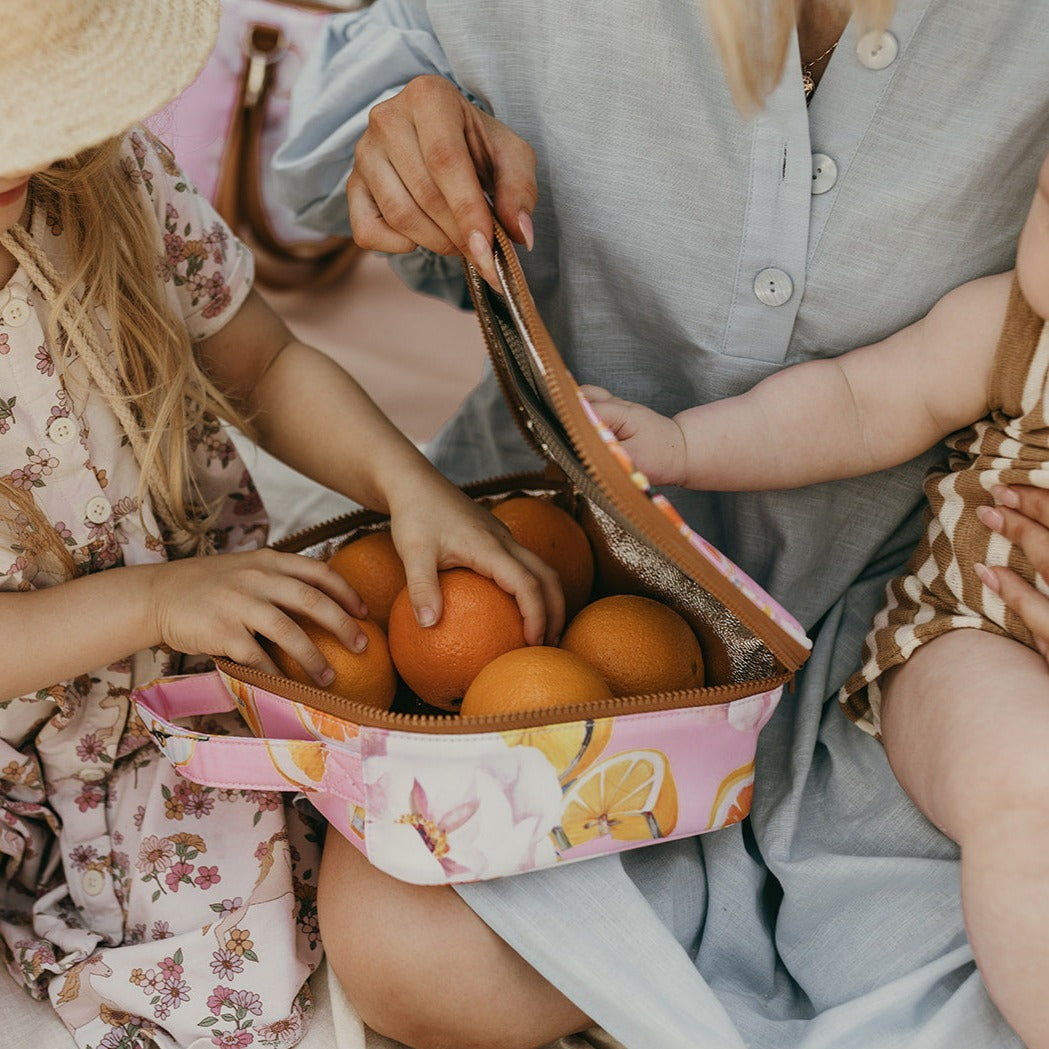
(537, 589)
(370, 230)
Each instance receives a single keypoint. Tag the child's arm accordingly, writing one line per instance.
(866, 410)
(315, 417)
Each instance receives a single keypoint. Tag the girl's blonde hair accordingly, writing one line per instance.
(752, 37)
(148, 372)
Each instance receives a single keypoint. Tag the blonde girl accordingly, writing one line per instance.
(146, 907)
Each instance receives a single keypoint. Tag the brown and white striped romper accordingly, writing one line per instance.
(940, 591)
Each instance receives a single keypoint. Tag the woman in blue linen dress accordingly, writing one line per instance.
(681, 253)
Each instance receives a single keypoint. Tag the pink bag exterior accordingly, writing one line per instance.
(436, 809)
(195, 125)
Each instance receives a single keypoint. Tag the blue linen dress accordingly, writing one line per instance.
(682, 254)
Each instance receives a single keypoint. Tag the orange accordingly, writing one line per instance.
(480, 621)
(534, 678)
(367, 676)
(371, 566)
(556, 537)
(638, 645)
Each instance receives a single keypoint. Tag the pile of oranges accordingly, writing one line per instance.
(475, 660)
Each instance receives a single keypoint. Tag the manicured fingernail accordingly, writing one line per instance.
(426, 617)
(481, 252)
(1005, 496)
(990, 517)
(524, 222)
(987, 577)
(326, 677)
(360, 642)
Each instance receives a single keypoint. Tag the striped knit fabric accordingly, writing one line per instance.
(940, 591)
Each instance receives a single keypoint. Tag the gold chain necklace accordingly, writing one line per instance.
(808, 84)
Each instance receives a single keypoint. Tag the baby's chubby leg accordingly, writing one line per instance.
(422, 968)
(966, 728)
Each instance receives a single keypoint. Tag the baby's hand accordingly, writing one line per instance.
(655, 443)
(218, 604)
(435, 526)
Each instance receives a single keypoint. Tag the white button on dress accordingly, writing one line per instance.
(93, 882)
(98, 509)
(62, 430)
(15, 312)
(824, 173)
(773, 287)
(877, 49)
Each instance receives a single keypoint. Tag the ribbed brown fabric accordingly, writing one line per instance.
(940, 591)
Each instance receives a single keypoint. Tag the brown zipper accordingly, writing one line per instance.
(621, 496)
(335, 705)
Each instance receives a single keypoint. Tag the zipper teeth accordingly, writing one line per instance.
(780, 644)
(361, 714)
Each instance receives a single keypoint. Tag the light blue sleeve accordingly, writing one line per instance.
(358, 60)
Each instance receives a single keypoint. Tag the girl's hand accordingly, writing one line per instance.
(421, 171)
(435, 526)
(218, 604)
(655, 443)
(1021, 514)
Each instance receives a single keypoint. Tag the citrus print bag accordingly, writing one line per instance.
(431, 798)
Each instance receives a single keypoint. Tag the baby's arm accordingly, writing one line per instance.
(866, 410)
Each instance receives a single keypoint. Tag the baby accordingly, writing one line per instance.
(953, 681)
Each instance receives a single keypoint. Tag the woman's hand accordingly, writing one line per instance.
(655, 443)
(218, 604)
(422, 169)
(1021, 515)
(435, 526)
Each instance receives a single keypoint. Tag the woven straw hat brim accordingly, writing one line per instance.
(76, 72)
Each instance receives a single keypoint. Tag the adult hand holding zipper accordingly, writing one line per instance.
(425, 170)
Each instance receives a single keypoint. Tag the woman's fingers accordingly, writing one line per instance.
(428, 170)
(1021, 515)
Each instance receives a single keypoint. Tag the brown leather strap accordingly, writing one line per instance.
(238, 191)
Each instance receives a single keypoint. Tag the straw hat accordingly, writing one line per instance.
(76, 72)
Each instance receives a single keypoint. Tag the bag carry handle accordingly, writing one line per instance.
(235, 762)
(238, 191)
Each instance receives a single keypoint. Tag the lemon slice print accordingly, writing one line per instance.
(570, 748)
(628, 797)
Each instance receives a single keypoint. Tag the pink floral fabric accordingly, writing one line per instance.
(150, 909)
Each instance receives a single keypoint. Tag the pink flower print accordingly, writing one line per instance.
(151, 981)
(5, 344)
(171, 967)
(215, 240)
(174, 993)
(90, 747)
(22, 478)
(83, 856)
(178, 873)
(160, 931)
(170, 216)
(44, 362)
(173, 248)
(229, 906)
(138, 818)
(219, 295)
(207, 876)
(218, 998)
(232, 1039)
(280, 1032)
(155, 855)
(138, 148)
(90, 797)
(44, 463)
(249, 1001)
(226, 964)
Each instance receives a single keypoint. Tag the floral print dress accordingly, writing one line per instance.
(151, 910)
